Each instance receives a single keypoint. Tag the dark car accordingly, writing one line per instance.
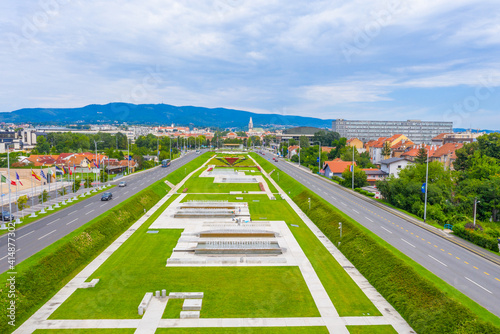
(5, 216)
(106, 196)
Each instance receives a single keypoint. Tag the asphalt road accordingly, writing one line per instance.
(473, 275)
(34, 237)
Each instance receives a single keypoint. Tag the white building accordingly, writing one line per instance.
(393, 166)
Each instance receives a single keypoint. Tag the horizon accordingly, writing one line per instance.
(327, 60)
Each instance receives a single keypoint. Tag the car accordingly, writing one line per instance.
(106, 196)
(5, 216)
(122, 184)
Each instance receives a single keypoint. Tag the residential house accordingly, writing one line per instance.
(336, 167)
(292, 150)
(393, 166)
(412, 153)
(373, 175)
(377, 149)
(153, 158)
(401, 147)
(446, 154)
(356, 143)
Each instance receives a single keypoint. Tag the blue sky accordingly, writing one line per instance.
(386, 60)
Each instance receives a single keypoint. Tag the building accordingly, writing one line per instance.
(393, 166)
(356, 143)
(250, 125)
(446, 154)
(373, 175)
(418, 131)
(377, 148)
(296, 133)
(456, 138)
(336, 167)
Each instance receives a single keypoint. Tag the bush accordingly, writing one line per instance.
(357, 189)
(478, 237)
(36, 283)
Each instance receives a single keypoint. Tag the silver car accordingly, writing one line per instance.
(122, 184)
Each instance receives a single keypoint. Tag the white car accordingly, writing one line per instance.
(122, 184)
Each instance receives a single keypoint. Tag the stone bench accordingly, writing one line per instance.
(192, 305)
(90, 284)
(185, 295)
(145, 302)
(190, 314)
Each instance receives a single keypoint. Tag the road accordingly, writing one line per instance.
(34, 237)
(473, 275)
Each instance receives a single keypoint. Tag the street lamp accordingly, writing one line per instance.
(340, 229)
(309, 201)
(95, 163)
(426, 186)
(475, 210)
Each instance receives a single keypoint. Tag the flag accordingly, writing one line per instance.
(351, 168)
(42, 174)
(60, 170)
(13, 183)
(66, 171)
(17, 177)
(35, 176)
(4, 180)
(424, 185)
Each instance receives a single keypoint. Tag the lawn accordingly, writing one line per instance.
(375, 329)
(347, 297)
(244, 330)
(198, 184)
(86, 331)
(179, 174)
(139, 267)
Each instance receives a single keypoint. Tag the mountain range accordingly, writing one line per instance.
(157, 114)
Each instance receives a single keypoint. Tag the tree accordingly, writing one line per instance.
(22, 202)
(490, 145)
(360, 178)
(76, 185)
(386, 150)
(42, 146)
(44, 196)
(63, 191)
(421, 157)
(462, 161)
(304, 142)
(325, 137)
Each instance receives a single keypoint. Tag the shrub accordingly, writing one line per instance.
(477, 236)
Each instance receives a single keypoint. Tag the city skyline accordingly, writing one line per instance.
(378, 61)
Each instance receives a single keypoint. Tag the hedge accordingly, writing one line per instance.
(38, 281)
(421, 303)
(476, 237)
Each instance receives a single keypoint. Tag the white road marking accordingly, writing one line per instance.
(53, 221)
(386, 229)
(125, 193)
(88, 205)
(74, 220)
(71, 213)
(25, 235)
(43, 236)
(437, 260)
(89, 212)
(408, 243)
(368, 219)
(482, 287)
(355, 211)
(103, 204)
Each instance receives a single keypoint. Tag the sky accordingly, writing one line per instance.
(374, 60)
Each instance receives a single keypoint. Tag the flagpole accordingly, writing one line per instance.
(8, 171)
(1, 190)
(32, 195)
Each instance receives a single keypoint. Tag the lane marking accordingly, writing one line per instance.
(88, 205)
(355, 211)
(103, 205)
(89, 212)
(125, 193)
(368, 219)
(53, 221)
(408, 243)
(466, 262)
(386, 229)
(482, 287)
(475, 267)
(457, 257)
(343, 204)
(43, 236)
(25, 235)
(486, 273)
(437, 260)
(74, 220)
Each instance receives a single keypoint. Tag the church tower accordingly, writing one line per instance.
(250, 125)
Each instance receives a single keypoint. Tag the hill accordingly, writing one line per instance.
(157, 114)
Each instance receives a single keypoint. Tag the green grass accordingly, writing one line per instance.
(28, 220)
(346, 296)
(178, 175)
(429, 221)
(139, 267)
(375, 329)
(86, 331)
(449, 291)
(173, 309)
(244, 330)
(197, 184)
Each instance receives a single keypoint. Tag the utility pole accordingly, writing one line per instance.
(475, 210)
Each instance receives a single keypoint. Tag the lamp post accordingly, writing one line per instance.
(353, 167)
(309, 201)
(128, 156)
(95, 163)
(475, 210)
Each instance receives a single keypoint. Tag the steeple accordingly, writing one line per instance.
(250, 125)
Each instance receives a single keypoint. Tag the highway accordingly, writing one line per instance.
(34, 237)
(475, 276)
